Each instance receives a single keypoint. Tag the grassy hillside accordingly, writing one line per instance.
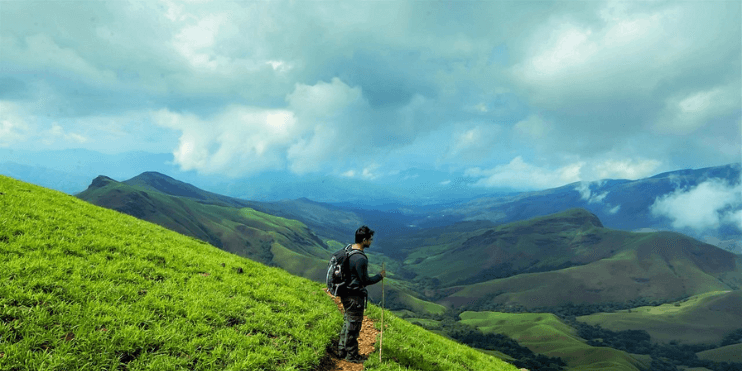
(324, 219)
(246, 232)
(262, 237)
(546, 334)
(568, 259)
(83, 287)
(729, 353)
(701, 319)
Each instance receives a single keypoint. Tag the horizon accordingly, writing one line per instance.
(486, 97)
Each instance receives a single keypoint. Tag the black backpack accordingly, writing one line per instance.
(338, 271)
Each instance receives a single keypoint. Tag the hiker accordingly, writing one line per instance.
(354, 296)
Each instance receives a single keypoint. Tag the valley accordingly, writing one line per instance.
(566, 266)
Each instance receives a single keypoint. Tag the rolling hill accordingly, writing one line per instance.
(567, 258)
(243, 231)
(324, 219)
(546, 334)
(233, 226)
(701, 319)
(84, 287)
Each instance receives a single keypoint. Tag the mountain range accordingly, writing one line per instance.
(470, 263)
(567, 262)
(444, 259)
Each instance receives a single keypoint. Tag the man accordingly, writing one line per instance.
(354, 295)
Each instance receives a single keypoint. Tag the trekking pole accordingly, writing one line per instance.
(381, 339)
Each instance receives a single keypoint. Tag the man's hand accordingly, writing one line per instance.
(383, 273)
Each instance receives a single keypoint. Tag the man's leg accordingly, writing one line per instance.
(348, 344)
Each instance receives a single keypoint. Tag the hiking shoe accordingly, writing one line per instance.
(355, 358)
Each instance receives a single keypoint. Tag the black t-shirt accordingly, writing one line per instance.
(359, 279)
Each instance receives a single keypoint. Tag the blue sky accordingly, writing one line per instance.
(523, 95)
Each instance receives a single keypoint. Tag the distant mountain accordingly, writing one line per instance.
(620, 204)
(324, 219)
(243, 231)
(80, 166)
(568, 258)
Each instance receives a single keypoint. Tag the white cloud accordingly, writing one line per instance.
(520, 175)
(625, 169)
(41, 52)
(706, 206)
(587, 72)
(313, 132)
(570, 59)
(734, 218)
(534, 127)
(587, 195)
(687, 113)
(57, 133)
(195, 42)
(240, 140)
(13, 126)
(367, 173)
(474, 143)
(324, 99)
(445, 182)
(614, 210)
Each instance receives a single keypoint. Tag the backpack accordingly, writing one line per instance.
(338, 271)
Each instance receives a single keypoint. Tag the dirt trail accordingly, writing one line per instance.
(366, 342)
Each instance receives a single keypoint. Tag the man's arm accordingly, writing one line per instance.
(362, 269)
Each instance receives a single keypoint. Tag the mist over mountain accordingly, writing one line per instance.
(704, 203)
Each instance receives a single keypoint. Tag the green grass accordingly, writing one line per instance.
(409, 347)
(659, 266)
(700, 319)
(546, 334)
(729, 353)
(243, 231)
(83, 287)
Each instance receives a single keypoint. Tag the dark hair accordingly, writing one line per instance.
(363, 233)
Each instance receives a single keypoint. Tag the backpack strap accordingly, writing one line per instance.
(353, 251)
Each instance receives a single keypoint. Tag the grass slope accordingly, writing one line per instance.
(266, 238)
(328, 221)
(246, 232)
(544, 333)
(701, 319)
(729, 353)
(584, 264)
(83, 287)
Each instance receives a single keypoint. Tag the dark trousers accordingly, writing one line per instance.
(354, 306)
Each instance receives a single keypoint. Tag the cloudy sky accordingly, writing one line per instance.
(526, 95)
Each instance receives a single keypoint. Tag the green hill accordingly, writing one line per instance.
(326, 220)
(701, 319)
(567, 258)
(83, 287)
(546, 334)
(222, 222)
(729, 354)
(246, 232)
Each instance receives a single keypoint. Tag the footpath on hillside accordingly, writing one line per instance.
(366, 342)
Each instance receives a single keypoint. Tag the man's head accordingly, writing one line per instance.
(364, 236)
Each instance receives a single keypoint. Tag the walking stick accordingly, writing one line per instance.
(381, 339)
